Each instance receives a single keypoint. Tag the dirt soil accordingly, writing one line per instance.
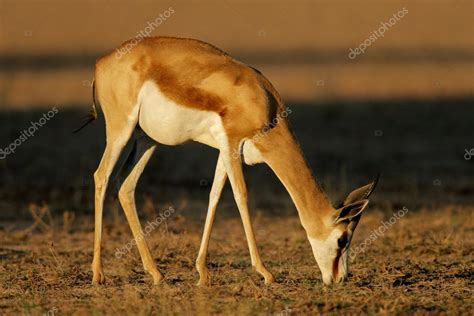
(421, 264)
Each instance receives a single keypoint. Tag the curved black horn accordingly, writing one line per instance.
(372, 187)
(361, 193)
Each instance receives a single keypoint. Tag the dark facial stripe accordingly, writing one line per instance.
(335, 264)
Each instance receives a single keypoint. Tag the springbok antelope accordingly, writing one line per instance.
(172, 90)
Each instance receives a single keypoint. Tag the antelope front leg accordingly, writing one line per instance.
(234, 171)
(220, 177)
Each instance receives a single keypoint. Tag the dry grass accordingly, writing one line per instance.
(422, 264)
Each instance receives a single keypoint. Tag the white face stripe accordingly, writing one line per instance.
(325, 252)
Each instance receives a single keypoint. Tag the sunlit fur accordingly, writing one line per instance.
(177, 90)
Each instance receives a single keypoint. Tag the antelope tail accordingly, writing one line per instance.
(92, 115)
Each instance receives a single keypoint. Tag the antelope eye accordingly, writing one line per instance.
(342, 241)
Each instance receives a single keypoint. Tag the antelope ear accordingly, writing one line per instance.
(361, 193)
(351, 211)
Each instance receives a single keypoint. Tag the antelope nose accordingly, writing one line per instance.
(328, 280)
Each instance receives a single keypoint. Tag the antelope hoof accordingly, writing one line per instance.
(269, 278)
(157, 277)
(98, 277)
(204, 278)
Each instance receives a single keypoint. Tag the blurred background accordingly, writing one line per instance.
(402, 108)
(48, 47)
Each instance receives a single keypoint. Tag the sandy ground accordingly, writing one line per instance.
(421, 264)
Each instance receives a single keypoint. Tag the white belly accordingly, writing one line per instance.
(170, 123)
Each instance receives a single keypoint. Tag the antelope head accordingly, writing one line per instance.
(331, 248)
